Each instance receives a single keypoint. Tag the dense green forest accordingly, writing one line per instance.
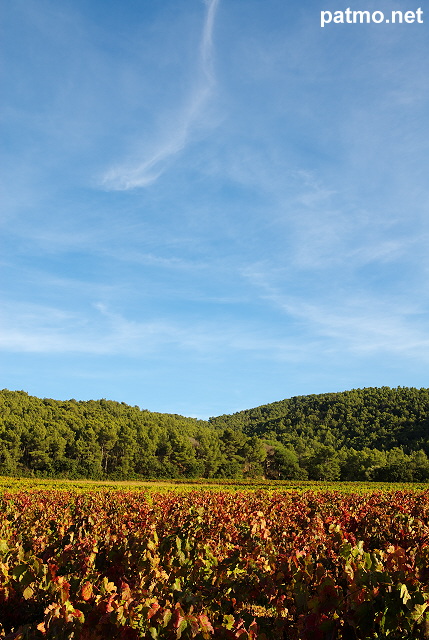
(363, 434)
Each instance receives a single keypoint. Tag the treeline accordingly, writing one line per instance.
(379, 418)
(366, 434)
(106, 439)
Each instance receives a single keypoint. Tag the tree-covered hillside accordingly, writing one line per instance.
(371, 433)
(380, 418)
(102, 438)
(363, 434)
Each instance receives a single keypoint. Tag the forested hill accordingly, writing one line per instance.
(380, 418)
(367, 434)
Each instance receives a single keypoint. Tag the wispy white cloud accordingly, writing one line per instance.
(348, 322)
(207, 40)
(365, 326)
(360, 326)
(173, 140)
(41, 329)
(30, 328)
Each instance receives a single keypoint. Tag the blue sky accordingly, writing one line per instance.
(212, 205)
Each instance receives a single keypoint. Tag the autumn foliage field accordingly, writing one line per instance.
(124, 565)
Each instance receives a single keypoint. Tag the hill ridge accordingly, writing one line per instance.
(369, 433)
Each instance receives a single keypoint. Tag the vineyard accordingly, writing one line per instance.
(124, 565)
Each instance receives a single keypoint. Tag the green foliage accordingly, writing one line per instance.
(363, 434)
(93, 439)
(377, 418)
